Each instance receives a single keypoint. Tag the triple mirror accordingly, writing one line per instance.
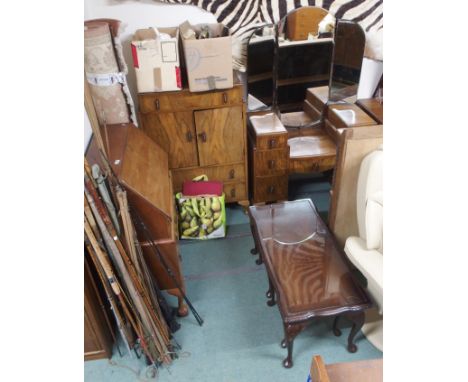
(295, 54)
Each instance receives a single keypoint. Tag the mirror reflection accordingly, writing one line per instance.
(260, 62)
(306, 55)
(303, 60)
(350, 42)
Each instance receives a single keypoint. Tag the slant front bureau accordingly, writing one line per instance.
(203, 133)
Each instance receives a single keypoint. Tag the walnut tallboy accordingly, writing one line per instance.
(202, 133)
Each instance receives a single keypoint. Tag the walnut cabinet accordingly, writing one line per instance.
(202, 133)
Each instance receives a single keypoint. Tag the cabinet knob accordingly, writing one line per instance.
(225, 97)
(156, 104)
(233, 192)
(271, 189)
(202, 136)
(189, 136)
(271, 164)
(272, 143)
(232, 174)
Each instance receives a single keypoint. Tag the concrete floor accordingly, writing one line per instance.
(240, 339)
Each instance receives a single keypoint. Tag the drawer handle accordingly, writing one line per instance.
(202, 136)
(272, 143)
(189, 136)
(156, 103)
(225, 97)
(233, 192)
(271, 164)
(271, 189)
(232, 174)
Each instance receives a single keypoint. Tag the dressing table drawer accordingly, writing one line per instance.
(270, 188)
(225, 174)
(271, 162)
(184, 100)
(271, 142)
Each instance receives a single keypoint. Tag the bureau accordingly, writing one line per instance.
(202, 133)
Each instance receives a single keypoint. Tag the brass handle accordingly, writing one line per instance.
(233, 192)
(202, 136)
(272, 143)
(189, 136)
(225, 97)
(156, 103)
(232, 174)
(271, 164)
(271, 189)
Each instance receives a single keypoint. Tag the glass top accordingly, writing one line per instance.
(305, 265)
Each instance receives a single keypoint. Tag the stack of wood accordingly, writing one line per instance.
(111, 241)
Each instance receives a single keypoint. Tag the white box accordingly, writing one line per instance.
(156, 60)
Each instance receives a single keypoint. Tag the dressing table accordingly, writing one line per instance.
(299, 78)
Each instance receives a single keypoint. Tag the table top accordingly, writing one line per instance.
(373, 107)
(311, 275)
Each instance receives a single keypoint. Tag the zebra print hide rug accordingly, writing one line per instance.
(242, 16)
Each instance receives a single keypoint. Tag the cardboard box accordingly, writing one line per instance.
(156, 60)
(208, 61)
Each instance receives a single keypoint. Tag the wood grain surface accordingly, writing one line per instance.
(220, 135)
(175, 133)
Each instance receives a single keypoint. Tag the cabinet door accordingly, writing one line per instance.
(175, 133)
(220, 135)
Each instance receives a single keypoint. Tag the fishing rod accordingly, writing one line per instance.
(148, 235)
(156, 250)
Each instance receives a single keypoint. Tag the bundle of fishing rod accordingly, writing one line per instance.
(136, 302)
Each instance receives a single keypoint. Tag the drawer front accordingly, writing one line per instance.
(270, 188)
(184, 100)
(314, 113)
(271, 142)
(235, 192)
(307, 165)
(225, 174)
(271, 162)
(333, 132)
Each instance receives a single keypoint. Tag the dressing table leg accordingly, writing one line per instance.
(358, 321)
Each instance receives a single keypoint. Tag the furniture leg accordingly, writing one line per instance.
(254, 250)
(290, 332)
(336, 330)
(270, 293)
(182, 310)
(358, 321)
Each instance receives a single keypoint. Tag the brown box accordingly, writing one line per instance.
(208, 61)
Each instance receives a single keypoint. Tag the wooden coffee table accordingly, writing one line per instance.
(309, 275)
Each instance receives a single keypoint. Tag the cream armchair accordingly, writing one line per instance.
(366, 251)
